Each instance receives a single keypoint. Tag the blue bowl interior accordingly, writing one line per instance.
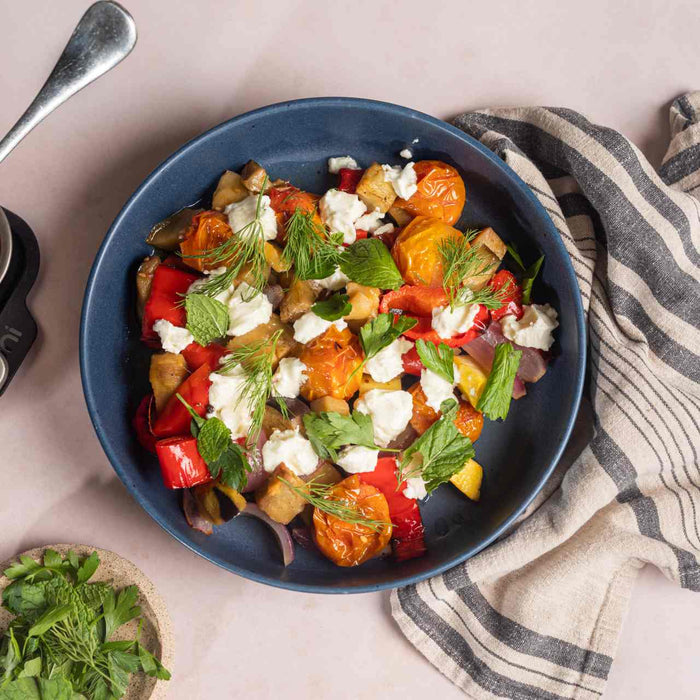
(293, 141)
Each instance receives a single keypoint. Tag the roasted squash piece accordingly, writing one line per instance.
(276, 498)
(365, 304)
(298, 300)
(166, 373)
(491, 251)
(367, 384)
(374, 190)
(468, 479)
(286, 345)
(329, 404)
(229, 191)
(144, 281)
(253, 176)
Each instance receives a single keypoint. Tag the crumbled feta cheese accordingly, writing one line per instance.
(310, 326)
(370, 221)
(390, 412)
(403, 180)
(534, 329)
(436, 388)
(288, 447)
(415, 488)
(290, 375)
(334, 282)
(246, 311)
(339, 211)
(407, 153)
(452, 321)
(173, 338)
(387, 228)
(386, 364)
(223, 297)
(241, 214)
(227, 401)
(335, 164)
(356, 459)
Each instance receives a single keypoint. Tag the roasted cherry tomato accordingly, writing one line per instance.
(165, 300)
(440, 192)
(419, 302)
(349, 179)
(332, 359)
(175, 419)
(468, 420)
(360, 234)
(417, 250)
(208, 231)
(351, 544)
(412, 363)
(197, 355)
(512, 295)
(285, 200)
(142, 424)
(181, 465)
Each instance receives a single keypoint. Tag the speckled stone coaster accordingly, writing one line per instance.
(156, 632)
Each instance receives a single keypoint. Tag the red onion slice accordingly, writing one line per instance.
(194, 518)
(274, 294)
(281, 532)
(258, 476)
(303, 537)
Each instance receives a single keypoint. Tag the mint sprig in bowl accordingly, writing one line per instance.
(79, 622)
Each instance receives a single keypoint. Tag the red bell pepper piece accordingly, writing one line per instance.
(197, 355)
(408, 534)
(165, 301)
(142, 424)
(349, 179)
(412, 363)
(360, 234)
(419, 302)
(512, 296)
(181, 465)
(175, 419)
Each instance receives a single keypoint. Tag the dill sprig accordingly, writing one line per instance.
(460, 261)
(256, 360)
(488, 297)
(308, 247)
(245, 249)
(321, 496)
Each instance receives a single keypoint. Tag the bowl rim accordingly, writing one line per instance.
(345, 102)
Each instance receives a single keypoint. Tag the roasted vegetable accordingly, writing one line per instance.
(440, 192)
(218, 503)
(166, 373)
(367, 384)
(400, 216)
(286, 345)
(144, 281)
(491, 251)
(329, 404)
(468, 420)
(353, 543)
(374, 190)
(208, 231)
(274, 420)
(285, 200)
(299, 299)
(169, 233)
(276, 499)
(472, 378)
(273, 257)
(417, 250)
(512, 295)
(332, 360)
(365, 304)
(253, 176)
(181, 465)
(229, 191)
(468, 479)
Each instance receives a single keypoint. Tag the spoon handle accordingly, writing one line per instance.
(105, 35)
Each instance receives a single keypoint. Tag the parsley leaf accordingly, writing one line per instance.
(327, 432)
(495, 399)
(529, 279)
(437, 359)
(119, 608)
(333, 308)
(369, 262)
(439, 452)
(207, 318)
(382, 331)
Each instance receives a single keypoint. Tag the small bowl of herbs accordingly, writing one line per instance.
(79, 623)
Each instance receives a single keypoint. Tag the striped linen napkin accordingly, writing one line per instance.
(537, 615)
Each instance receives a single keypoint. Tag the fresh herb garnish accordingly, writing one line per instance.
(487, 296)
(207, 318)
(308, 247)
(225, 459)
(243, 252)
(333, 308)
(460, 261)
(328, 432)
(529, 273)
(439, 452)
(257, 361)
(382, 331)
(59, 646)
(438, 359)
(369, 262)
(495, 399)
(321, 496)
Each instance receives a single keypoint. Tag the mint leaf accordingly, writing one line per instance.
(369, 262)
(494, 401)
(23, 598)
(327, 432)
(441, 450)
(529, 279)
(333, 308)
(231, 467)
(213, 439)
(31, 668)
(438, 359)
(207, 318)
(382, 331)
(39, 689)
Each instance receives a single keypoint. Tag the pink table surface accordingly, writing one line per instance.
(619, 63)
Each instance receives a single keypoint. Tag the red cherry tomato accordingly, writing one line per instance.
(513, 295)
(349, 179)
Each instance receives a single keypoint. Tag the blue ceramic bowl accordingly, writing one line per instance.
(293, 140)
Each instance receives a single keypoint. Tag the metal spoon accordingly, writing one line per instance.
(105, 35)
